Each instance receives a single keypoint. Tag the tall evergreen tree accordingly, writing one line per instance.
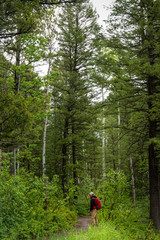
(72, 88)
(135, 35)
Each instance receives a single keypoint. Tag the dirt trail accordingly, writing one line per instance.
(83, 223)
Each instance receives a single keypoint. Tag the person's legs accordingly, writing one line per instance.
(94, 217)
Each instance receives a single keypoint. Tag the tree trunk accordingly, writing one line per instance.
(64, 158)
(45, 127)
(103, 138)
(12, 164)
(154, 130)
(154, 157)
(44, 147)
(74, 162)
(0, 160)
(15, 160)
(154, 175)
(133, 182)
(114, 159)
(119, 122)
(18, 161)
(17, 75)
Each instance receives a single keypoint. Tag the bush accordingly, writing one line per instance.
(24, 213)
(113, 192)
(82, 203)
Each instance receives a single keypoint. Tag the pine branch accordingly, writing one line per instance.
(54, 2)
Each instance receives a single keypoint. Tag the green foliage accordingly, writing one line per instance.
(16, 14)
(69, 130)
(108, 230)
(18, 118)
(30, 208)
(127, 221)
(115, 194)
(82, 203)
(34, 47)
(102, 232)
(134, 36)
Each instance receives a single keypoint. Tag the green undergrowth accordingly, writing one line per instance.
(110, 231)
(119, 218)
(30, 209)
(125, 222)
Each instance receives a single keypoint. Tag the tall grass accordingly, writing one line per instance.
(109, 231)
(102, 232)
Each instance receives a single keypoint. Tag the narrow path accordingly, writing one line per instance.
(83, 223)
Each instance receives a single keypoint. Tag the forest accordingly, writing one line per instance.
(79, 112)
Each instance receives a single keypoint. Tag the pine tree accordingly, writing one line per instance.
(135, 35)
(71, 89)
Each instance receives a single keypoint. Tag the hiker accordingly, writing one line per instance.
(93, 208)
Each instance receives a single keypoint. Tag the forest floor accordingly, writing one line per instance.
(83, 223)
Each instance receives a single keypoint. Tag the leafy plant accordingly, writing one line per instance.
(30, 208)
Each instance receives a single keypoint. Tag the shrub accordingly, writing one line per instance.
(113, 192)
(82, 203)
(23, 210)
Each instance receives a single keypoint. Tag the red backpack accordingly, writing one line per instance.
(97, 203)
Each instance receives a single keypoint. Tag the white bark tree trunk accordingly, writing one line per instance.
(45, 130)
(119, 122)
(50, 36)
(44, 146)
(103, 139)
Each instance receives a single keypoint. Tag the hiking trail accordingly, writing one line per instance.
(83, 223)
